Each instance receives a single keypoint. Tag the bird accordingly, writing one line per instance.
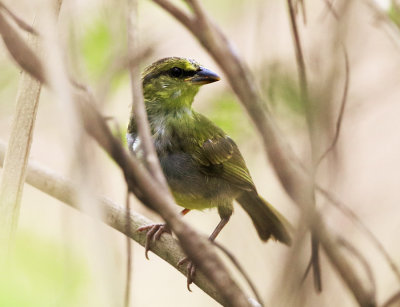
(201, 163)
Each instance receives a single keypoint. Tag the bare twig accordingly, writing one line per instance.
(329, 8)
(138, 108)
(241, 270)
(355, 219)
(299, 54)
(393, 299)
(13, 176)
(311, 130)
(128, 253)
(20, 22)
(363, 262)
(21, 53)
(342, 108)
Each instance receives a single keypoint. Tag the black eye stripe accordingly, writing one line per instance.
(185, 74)
(177, 72)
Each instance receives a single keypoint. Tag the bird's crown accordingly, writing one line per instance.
(175, 67)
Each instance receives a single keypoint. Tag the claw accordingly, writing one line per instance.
(191, 271)
(154, 233)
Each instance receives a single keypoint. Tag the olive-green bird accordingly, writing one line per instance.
(202, 164)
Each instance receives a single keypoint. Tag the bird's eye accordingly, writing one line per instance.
(176, 72)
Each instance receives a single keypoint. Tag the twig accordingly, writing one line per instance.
(342, 108)
(128, 253)
(138, 108)
(303, 11)
(329, 8)
(13, 177)
(21, 53)
(241, 270)
(393, 299)
(363, 261)
(301, 67)
(197, 248)
(299, 54)
(20, 22)
(355, 219)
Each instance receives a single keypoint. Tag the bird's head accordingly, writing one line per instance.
(173, 82)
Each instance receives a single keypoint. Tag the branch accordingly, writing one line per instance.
(13, 176)
(309, 112)
(342, 108)
(138, 107)
(393, 299)
(140, 182)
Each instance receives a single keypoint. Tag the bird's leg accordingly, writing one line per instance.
(154, 232)
(191, 268)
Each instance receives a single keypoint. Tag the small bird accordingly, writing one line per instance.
(202, 164)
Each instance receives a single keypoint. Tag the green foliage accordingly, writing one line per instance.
(394, 13)
(43, 274)
(9, 77)
(283, 91)
(226, 112)
(96, 47)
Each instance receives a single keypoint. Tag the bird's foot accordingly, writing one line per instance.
(191, 271)
(154, 233)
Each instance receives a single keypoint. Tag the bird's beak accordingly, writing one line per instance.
(203, 76)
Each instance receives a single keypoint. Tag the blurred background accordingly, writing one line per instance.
(64, 258)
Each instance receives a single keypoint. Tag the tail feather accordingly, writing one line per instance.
(267, 220)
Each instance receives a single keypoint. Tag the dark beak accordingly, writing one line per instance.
(204, 76)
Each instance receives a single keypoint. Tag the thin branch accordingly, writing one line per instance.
(301, 67)
(303, 11)
(357, 221)
(329, 8)
(13, 177)
(21, 53)
(299, 55)
(363, 262)
(20, 22)
(342, 108)
(128, 253)
(241, 270)
(393, 299)
(138, 107)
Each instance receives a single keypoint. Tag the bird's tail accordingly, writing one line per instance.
(267, 220)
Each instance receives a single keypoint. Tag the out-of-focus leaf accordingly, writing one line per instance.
(394, 13)
(43, 274)
(226, 113)
(283, 91)
(96, 47)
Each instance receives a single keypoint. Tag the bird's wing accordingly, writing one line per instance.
(219, 155)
